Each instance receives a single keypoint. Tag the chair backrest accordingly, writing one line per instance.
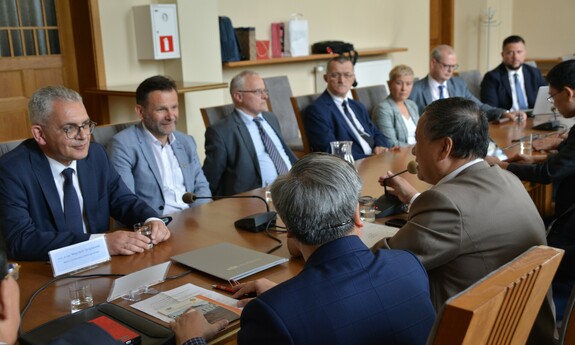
(473, 80)
(299, 104)
(279, 103)
(502, 307)
(369, 96)
(7, 146)
(567, 332)
(213, 115)
(103, 134)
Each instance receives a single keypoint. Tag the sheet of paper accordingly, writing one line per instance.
(373, 232)
(154, 305)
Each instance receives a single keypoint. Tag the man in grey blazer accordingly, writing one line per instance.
(440, 83)
(158, 163)
(241, 155)
(475, 218)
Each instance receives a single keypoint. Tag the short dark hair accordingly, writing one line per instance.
(563, 74)
(512, 39)
(339, 59)
(155, 83)
(461, 120)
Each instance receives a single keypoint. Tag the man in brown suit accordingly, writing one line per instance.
(475, 218)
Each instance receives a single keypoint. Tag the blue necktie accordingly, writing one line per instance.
(271, 149)
(520, 96)
(72, 211)
(441, 94)
(364, 135)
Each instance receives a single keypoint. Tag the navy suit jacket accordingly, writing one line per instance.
(231, 165)
(132, 156)
(31, 212)
(496, 90)
(324, 123)
(344, 295)
(456, 87)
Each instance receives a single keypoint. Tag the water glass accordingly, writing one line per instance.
(145, 230)
(342, 149)
(526, 145)
(367, 209)
(80, 296)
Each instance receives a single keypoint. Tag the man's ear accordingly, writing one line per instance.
(38, 135)
(139, 111)
(446, 147)
(357, 221)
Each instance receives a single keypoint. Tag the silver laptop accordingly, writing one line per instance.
(542, 106)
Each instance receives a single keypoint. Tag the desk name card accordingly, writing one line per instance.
(79, 256)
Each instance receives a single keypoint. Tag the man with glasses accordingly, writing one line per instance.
(58, 189)
(558, 169)
(155, 161)
(334, 117)
(512, 85)
(246, 150)
(440, 83)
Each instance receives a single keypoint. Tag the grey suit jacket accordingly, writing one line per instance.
(389, 120)
(231, 165)
(456, 87)
(132, 156)
(465, 228)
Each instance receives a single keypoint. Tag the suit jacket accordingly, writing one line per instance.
(389, 120)
(324, 123)
(456, 87)
(31, 211)
(496, 90)
(467, 227)
(132, 156)
(344, 295)
(231, 165)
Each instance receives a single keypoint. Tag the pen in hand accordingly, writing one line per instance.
(232, 291)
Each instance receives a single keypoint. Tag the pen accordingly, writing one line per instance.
(223, 288)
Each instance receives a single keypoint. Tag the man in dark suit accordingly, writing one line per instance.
(475, 218)
(345, 294)
(246, 150)
(440, 83)
(334, 117)
(512, 84)
(57, 189)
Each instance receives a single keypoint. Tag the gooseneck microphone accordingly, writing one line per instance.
(411, 168)
(389, 204)
(254, 223)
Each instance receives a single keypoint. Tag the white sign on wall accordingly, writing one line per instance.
(157, 31)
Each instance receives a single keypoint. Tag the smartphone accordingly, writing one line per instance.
(396, 222)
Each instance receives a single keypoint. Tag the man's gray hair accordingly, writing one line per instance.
(41, 103)
(317, 198)
(239, 80)
(437, 51)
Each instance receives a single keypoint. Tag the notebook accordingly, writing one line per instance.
(542, 105)
(228, 261)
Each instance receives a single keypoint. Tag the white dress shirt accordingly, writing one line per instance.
(364, 145)
(510, 75)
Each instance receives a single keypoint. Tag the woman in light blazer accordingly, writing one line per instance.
(396, 117)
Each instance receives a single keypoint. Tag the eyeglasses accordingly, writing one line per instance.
(336, 76)
(550, 99)
(259, 92)
(444, 66)
(72, 131)
(13, 270)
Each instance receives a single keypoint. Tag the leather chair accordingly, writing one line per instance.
(473, 79)
(7, 146)
(370, 96)
(213, 115)
(299, 104)
(103, 134)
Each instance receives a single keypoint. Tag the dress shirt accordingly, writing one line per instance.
(434, 87)
(510, 74)
(172, 177)
(267, 167)
(57, 168)
(410, 126)
(364, 145)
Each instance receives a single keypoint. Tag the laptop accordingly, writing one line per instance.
(542, 106)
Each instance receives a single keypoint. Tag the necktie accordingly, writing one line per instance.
(72, 211)
(364, 135)
(441, 94)
(520, 96)
(271, 149)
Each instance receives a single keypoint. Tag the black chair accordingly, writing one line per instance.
(299, 104)
(213, 115)
(370, 96)
(7, 146)
(103, 134)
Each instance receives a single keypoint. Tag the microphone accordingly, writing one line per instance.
(388, 204)
(552, 125)
(254, 223)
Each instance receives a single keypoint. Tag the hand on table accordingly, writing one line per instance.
(258, 287)
(193, 324)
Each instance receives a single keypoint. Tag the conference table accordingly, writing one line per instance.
(210, 224)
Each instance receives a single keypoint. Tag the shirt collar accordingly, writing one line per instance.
(336, 99)
(57, 167)
(513, 71)
(456, 172)
(248, 119)
(154, 140)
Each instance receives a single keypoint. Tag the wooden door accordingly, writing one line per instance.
(441, 22)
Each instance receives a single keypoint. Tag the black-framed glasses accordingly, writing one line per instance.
(12, 270)
(72, 131)
(259, 92)
(336, 76)
(444, 66)
(550, 99)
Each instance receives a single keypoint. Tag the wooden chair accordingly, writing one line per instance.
(279, 103)
(213, 115)
(299, 104)
(567, 331)
(502, 307)
(103, 134)
(473, 80)
(7, 146)
(369, 96)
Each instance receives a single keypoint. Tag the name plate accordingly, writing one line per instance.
(79, 256)
(138, 280)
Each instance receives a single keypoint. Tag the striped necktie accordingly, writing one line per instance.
(72, 210)
(364, 135)
(271, 149)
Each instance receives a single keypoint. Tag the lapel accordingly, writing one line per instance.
(244, 134)
(528, 80)
(147, 153)
(180, 153)
(337, 116)
(41, 169)
(427, 97)
(88, 187)
(504, 77)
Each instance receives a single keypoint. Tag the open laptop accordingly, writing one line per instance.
(542, 106)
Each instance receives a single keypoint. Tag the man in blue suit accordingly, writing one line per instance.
(155, 161)
(512, 84)
(334, 117)
(345, 294)
(440, 83)
(57, 189)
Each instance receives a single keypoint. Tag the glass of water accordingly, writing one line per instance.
(367, 209)
(80, 296)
